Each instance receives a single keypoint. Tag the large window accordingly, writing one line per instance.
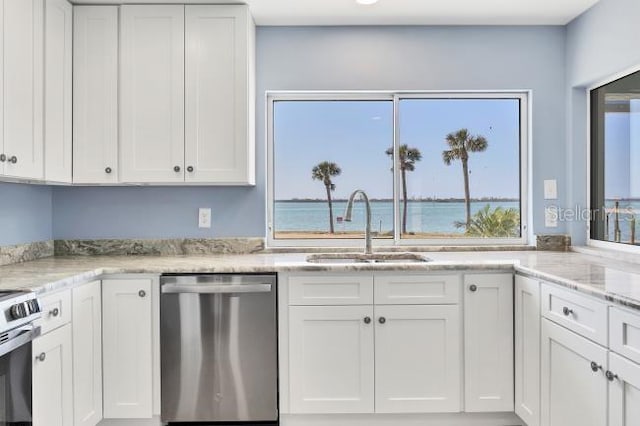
(460, 174)
(615, 147)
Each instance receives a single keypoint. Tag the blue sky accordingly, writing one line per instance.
(355, 135)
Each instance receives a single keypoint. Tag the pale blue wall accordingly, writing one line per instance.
(25, 213)
(600, 43)
(346, 58)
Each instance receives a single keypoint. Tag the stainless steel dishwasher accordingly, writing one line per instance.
(218, 348)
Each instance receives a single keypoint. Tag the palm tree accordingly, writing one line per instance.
(407, 159)
(324, 172)
(461, 143)
(486, 223)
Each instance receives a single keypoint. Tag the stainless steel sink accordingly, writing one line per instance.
(341, 258)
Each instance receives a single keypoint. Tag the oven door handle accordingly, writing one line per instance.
(26, 335)
(217, 289)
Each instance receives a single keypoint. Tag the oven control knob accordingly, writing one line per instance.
(34, 306)
(18, 311)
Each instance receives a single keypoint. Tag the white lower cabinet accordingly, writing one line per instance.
(417, 361)
(574, 388)
(527, 350)
(53, 378)
(331, 359)
(624, 391)
(127, 348)
(87, 354)
(488, 342)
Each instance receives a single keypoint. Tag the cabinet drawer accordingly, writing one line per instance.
(56, 311)
(416, 289)
(584, 315)
(328, 289)
(624, 333)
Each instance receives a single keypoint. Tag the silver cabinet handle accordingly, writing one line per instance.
(367, 320)
(566, 311)
(108, 170)
(3, 158)
(13, 159)
(473, 287)
(595, 366)
(382, 320)
(54, 312)
(217, 289)
(611, 376)
(176, 169)
(142, 293)
(190, 169)
(41, 357)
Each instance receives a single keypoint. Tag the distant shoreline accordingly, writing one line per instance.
(415, 200)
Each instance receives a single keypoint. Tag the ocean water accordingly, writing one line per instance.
(423, 216)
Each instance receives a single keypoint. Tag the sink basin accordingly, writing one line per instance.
(338, 258)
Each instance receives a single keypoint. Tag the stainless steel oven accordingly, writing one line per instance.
(17, 312)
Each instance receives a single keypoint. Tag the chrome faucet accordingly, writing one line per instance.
(349, 211)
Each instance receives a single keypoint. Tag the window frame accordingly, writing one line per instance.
(525, 97)
(608, 245)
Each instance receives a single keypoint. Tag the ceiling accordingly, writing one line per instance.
(400, 12)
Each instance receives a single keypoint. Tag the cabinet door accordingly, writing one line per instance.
(52, 378)
(127, 348)
(331, 359)
(95, 94)
(488, 342)
(152, 104)
(418, 360)
(87, 354)
(57, 95)
(624, 391)
(218, 137)
(23, 88)
(572, 393)
(527, 346)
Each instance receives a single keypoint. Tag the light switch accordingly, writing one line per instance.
(204, 218)
(550, 189)
(551, 217)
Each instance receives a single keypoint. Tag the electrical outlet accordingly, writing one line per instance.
(551, 217)
(204, 218)
(551, 189)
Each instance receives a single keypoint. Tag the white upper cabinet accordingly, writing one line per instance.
(488, 342)
(152, 89)
(57, 86)
(219, 131)
(95, 94)
(22, 88)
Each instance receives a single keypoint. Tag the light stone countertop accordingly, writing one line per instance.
(612, 280)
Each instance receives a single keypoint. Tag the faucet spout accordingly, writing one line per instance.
(349, 211)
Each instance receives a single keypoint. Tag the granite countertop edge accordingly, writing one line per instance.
(46, 276)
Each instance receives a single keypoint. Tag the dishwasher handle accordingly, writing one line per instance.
(216, 289)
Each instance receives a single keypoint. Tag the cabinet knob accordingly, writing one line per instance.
(3, 158)
(367, 320)
(190, 169)
(473, 287)
(382, 320)
(54, 312)
(41, 357)
(12, 160)
(176, 169)
(595, 366)
(142, 293)
(610, 376)
(566, 311)
(108, 170)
